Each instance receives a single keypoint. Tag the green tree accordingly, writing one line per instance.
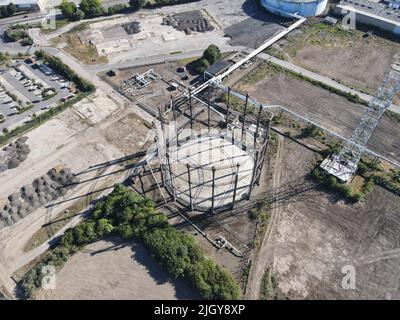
(4, 11)
(78, 15)
(68, 9)
(11, 9)
(212, 281)
(125, 231)
(137, 4)
(212, 54)
(103, 227)
(4, 58)
(201, 65)
(91, 7)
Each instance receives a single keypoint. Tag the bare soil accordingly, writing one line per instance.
(85, 53)
(347, 56)
(315, 235)
(330, 110)
(115, 269)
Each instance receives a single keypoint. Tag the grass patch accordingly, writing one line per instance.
(320, 34)
(262, 213)
(349, 96)
(59, 24)
(258, 74)
(245, 275)
(387, 179)
(275, 53)
(353, 192)
(186, 61)
(86, 53)
(394, 116)
(269, 286)
(48, 230)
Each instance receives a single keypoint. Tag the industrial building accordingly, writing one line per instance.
(383, 15)
(216, 69)
(304, 8)
(25, 5)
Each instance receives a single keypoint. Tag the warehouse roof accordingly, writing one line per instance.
(373, 9)
(218, 67)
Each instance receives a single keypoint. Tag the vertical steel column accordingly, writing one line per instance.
(170, 176)
(160, 160)
(209, 106)
(213, 190)
(244, 115)
(228, 106)
(254, 174)
(175, 122)
(235, 188)
(258, 125)
(191, 111)
(190, 187)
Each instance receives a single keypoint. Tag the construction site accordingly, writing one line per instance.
(272, 168)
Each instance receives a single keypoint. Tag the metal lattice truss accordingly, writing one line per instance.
(343, 165)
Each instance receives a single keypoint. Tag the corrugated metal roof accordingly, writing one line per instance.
(378, 9)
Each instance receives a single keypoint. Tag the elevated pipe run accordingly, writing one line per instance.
(253, 53)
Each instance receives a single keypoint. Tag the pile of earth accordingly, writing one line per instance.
(14, 154)
(41, 191)
(132, 27)
(188, 21)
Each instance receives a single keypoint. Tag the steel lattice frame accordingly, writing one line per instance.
(181, 179)
(344, 164)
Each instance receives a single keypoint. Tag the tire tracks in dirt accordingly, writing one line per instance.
(261, 258)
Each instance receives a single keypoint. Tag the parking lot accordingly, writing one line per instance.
(28, 88)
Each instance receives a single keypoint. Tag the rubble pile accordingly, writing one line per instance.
(132, 27)
(14, 154)
(188, 22)
(41, 191)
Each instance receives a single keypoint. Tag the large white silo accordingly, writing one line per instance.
(305, 8)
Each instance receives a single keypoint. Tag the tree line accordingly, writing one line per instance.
(94, 8)
(132, 216)
(8, 10)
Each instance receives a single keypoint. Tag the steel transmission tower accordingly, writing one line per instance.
(343, 165)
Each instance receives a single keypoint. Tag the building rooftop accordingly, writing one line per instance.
(17, 2)
(379, 9)
(218, 67)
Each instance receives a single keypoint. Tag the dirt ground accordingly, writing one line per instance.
(72, 44)
(325, 108)
(315, 235)
(100, 151)
(346, 56)
(114, 269)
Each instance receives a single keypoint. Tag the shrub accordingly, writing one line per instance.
(132, 215)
